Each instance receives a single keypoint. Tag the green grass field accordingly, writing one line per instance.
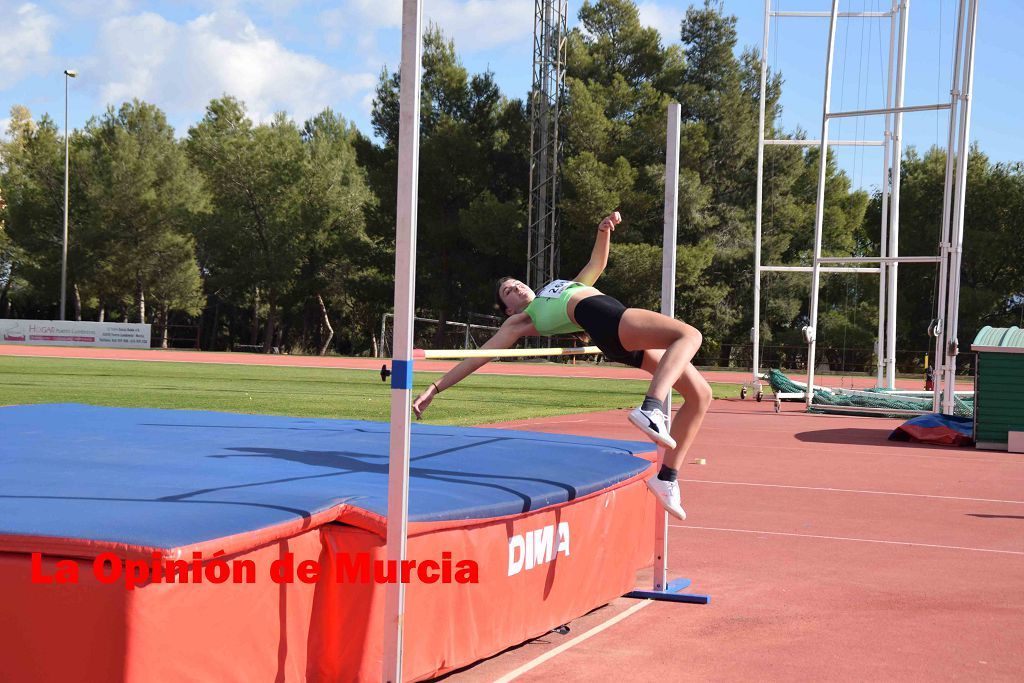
(304, 392)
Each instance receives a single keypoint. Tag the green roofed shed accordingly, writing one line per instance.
(999, 390)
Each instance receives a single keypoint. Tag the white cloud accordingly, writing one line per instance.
(354, 30)
(280, 8)
(473, 24)
(665, 18)
(26, 33)
(181, 67)
(359, 16)
(482, 24)
(97, 8)
(4, 125)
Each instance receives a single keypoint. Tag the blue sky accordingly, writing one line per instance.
(302, 55)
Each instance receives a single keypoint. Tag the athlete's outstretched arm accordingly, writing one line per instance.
(512, 330)
(599, 255)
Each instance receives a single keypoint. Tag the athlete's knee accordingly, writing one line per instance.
(692, 335)
(696, 392)
(704, 394)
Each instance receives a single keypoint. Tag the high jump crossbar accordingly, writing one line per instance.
(442, 354)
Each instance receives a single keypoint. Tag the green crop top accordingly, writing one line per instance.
(549, 311)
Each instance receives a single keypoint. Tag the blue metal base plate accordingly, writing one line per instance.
(672, 594)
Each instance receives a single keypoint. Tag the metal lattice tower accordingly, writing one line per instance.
(549, 45)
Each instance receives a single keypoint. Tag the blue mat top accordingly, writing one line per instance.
(172, 478)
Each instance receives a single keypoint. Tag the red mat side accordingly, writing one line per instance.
(450, 625)
(90, 632)
(584, 554)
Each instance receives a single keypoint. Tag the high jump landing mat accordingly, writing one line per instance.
(555, 526)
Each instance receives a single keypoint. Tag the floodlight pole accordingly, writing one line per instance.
(405, 292)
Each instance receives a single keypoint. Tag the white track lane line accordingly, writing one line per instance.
(527, 423)
(929, 455)
(858, 540)
(868, 491)
(516, 673)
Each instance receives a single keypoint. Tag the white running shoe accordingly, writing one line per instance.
(654, 424)
(667, 493)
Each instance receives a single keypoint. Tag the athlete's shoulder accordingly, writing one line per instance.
(521, 323)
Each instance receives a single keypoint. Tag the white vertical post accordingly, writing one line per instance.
(668, 307)
(819, 212)
(956, 248)
(405, 290)
(947, 208)
(894, 211)
(755, 336)
(64, 241)
(883, 241)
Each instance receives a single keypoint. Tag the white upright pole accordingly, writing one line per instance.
(956, 251)
(64, 241)
(894, 211)
(405, 290)
(819, 212)
(883, 242)
(939, 358)
(755, 337)
(668, 307)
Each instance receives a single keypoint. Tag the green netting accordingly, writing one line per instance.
(878, 398)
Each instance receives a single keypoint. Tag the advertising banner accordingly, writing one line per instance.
(74, 333)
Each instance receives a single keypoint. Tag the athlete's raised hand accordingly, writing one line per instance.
(609, 223)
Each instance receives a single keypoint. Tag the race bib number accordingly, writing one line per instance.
(554, 289)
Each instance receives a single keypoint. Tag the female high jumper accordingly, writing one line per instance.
(643, 339)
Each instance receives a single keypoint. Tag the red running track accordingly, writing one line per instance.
(830, 553)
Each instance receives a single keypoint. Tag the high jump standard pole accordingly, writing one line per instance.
(663, 589)
(405, 297)
(668, 307)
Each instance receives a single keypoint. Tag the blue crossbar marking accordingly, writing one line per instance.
(401, 374)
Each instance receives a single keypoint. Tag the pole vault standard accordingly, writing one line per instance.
(405, 296)
(887, 263)
(950, 244)
(762, 142)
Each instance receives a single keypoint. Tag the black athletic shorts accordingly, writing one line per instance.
(599, 316)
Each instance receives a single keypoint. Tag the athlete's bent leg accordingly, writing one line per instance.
(696, 393)
(641, 329)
